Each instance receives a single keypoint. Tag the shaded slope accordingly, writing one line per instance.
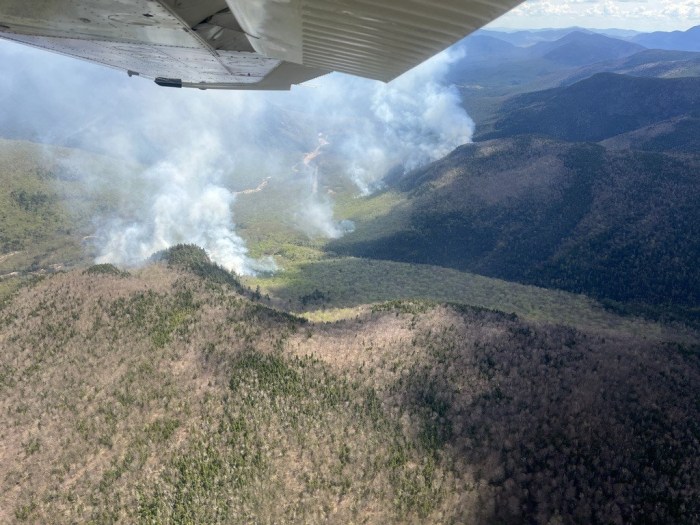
(578, 49)
(480, 47)
(163, 397)
(678, 135)
(487, 84)
(597, 108)
(648, 63)
(619, 225)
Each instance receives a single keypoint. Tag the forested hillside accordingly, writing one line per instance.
(615, 224)
(170, 395)
(597, 108)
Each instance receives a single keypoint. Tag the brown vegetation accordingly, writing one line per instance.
(167, 397)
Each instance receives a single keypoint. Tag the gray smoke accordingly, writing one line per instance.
(186, 208)
(198, 148)
(315, 218)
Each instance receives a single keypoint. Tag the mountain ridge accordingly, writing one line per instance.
(622, 103)
(566, 215)
(165, 396)
(688, 40)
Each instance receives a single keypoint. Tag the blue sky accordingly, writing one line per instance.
(649, 15)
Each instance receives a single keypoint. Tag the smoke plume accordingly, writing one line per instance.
(198, 149)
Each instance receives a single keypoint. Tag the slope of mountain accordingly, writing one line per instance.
(680, 40)
(678, 135)
(624, 34)
(165, 397)
(487, 84)
(578, 49)
(597, 108)
(47, 207)
(528, 38)
(54, 228)
(615, 224)
(482, 48)
(648, 63)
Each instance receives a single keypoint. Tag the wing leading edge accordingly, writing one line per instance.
(247, 44)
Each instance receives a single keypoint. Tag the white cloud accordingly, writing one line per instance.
(643, 15)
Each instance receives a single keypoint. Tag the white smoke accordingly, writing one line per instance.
(199, 148)
(406, 123)
(315, 217)
(186, 207)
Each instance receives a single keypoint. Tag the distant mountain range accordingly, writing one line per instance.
(688, 40)
(573, 49)
(579, 48)
(530, 37)
(493, 70)
(679, 40)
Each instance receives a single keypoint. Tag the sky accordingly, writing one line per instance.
(646, 16)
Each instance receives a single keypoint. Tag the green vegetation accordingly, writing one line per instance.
(105, 269)
(347, 283)
(46, 210)
(277, 405)
(164, 397)
(192, 258)
(408, 389)
(622, 104)
(616, 225)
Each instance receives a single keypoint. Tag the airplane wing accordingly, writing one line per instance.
(247, 44)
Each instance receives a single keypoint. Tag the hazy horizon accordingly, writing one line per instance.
(643, 16)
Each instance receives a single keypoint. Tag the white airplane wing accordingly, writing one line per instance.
(247, 44)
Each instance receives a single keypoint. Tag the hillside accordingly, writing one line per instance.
(648, 63)
(527, 38)
(680, 40)
(677, 135)
(620, 225)
(163, 396)
(621, 104)
(483, 48)
(578, 48)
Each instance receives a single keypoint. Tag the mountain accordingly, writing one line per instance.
(482, 48)
(654, 63)
(679, 40)
(575, 48)
(619, 225)
(623, 34)
(507, 71)
(578, 48)
(596, 108)
(528, 38)
(173, 395)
